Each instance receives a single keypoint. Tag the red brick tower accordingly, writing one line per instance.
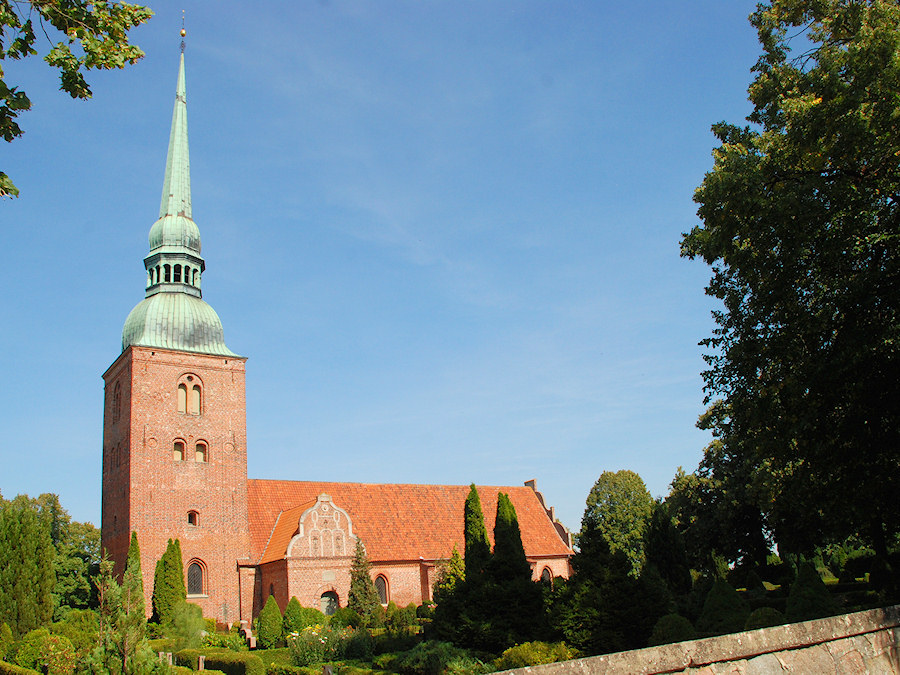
(174, 423)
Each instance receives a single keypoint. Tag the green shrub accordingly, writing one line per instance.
(425, 611)
(187, 624)
(12, 669)
(764, 617)
(269, 628)
(809, 597)
(395, 641)
(182, 670)
(671, 628)
(41, 648)
(232, 641)
(280, 669)
(345, 616)
(318, 644)
(400, 618)
(533, 654)
(297, 617)
(430, 658)
(724, 611)
(82, 627)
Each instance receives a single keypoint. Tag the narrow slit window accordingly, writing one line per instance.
(193, 517)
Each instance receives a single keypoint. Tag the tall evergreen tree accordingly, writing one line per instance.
(168, 583)
(664, 549)
(451, 573)
(27, 578)
(363, 597)
(478, 548)
(514, 611)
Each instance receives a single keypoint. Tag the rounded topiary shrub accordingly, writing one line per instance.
(671, 628)
(764, 617)
(41, 648)
(724, 611)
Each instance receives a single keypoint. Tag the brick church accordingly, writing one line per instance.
(175, 461)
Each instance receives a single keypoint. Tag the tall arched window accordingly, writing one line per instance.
(382, 588)
(177, 277)
(167, 272)
(195, 399)
(195, 577)
(546, 575)
(178, 451)
(182, 398)
(201, 452)
(193, 518)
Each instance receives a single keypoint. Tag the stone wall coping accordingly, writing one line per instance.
(680, 656)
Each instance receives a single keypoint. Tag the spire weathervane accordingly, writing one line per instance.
(183, 32)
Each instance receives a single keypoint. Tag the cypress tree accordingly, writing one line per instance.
(508, 560)
(168, 584)
(27, 578)
(478, 549)
(363, 598)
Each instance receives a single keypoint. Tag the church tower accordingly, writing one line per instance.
(174, 422)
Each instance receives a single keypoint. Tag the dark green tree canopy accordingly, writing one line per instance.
(168, 583)
(800, 223)
(91, 35)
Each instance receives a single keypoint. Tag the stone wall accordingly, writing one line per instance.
(851, 644)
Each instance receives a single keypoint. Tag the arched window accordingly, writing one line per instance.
(546, 575)
(167, 271)
(182, 398)
(178, 451)
(195, 399)
(177, 277)
(158, 278)
(196, 280)
(193, 518)
(187, 274)
(195, 577)
(328, 603)
(382, 588)
(201, 452)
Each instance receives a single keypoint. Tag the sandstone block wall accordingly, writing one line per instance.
(851, 644)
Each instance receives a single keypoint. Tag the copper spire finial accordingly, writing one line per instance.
(183, 32)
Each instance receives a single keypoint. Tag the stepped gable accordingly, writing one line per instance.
(395, 522)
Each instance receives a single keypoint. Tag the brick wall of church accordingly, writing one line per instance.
(151, 492)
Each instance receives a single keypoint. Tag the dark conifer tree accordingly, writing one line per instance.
(168, 584)
(363, 597)
(27, 578)
(478, 548)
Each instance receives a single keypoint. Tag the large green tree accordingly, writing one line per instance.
(801, 223)
(90, 35)
(618, 507)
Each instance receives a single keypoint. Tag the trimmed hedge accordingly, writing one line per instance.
(229, 662)
(12, 669)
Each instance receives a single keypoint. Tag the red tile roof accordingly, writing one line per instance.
(397, 522)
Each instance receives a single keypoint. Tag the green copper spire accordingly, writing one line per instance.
(173, 314)
(176, 194)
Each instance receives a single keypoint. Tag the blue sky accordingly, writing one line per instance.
(444, 233)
